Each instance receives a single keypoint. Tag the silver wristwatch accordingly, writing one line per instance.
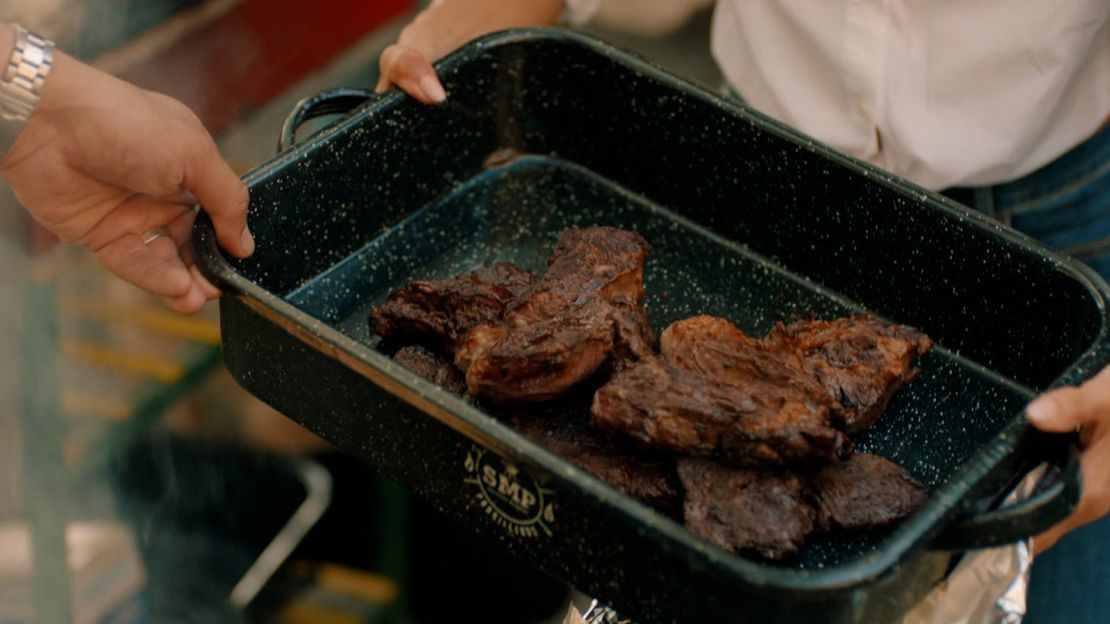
(21, 83)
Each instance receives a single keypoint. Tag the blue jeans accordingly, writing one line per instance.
(1065, 204)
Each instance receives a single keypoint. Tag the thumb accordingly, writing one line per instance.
(223, 196)
(411, 71)
(1066, 409)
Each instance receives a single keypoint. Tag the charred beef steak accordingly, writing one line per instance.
(522, 339)
(865, 491)
(585, 311)
(598, 262)
(538, 361)
(743, 510)
(771, 512)
(431, 367)
(861, 361)
(440, 312)
(650, 479)
(663, 406)
(720, 393)
(782, 400)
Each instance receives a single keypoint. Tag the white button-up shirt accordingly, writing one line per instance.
(943, 92)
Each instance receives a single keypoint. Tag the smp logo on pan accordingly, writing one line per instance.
(509, 496)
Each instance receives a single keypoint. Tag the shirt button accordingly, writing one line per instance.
(863, 109)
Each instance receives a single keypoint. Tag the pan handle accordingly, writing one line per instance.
(1053, 501)
(331, 102)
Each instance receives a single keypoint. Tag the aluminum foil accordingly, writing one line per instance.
(988, 586)
(596, 613)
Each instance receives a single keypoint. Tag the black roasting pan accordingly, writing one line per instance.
(747, 219)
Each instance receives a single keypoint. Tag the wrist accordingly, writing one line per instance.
(64, 84)
(7, 40)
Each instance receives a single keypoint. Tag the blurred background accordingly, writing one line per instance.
(138, 483)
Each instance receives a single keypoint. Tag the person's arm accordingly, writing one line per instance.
(1086, 408)
(114, 168)
(7, 41)
(444, 26)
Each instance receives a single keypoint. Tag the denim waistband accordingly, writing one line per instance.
(1087, 159)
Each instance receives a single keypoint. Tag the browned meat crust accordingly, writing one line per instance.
(442, 311)
(743, 510)
(650, 479)
(520, 339)
(585, 311)
(431, 367)
(588, 263)
(663, 406)
(773, 512)
(861, 362)
(865, 491)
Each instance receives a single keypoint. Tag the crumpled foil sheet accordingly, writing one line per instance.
(596, 613)
(987, 586)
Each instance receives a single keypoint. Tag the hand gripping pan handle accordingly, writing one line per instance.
(331, 102)
(1054, 499)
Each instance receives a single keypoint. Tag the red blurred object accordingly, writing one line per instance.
(240, 61)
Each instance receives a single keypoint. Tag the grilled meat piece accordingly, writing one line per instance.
(542, 360)
(504, 275)
(431, 367)
(651, 480)
(521, 339)
(587, 263)
(771, 371)
(539, 361)
(664, 406)
(743, 510)
(721, 393)
(861, 362)
(865, 491)
(586, 310)
(771, 512)
(633, 339)
(442, 311)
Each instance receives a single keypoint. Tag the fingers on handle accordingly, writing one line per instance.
(1066, 409)
(154, 267)
(223, 196)
(206, 287)
(181, 231)
(412, 72)
(189, 303)
(1095, 502)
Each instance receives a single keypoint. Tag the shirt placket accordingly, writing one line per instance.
(865, 37)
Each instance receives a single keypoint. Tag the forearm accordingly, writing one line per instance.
(7, 41)
(447, 24)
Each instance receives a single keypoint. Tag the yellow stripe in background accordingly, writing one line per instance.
(166, 371)
(343, 580)
(79, 404)
(163, 322)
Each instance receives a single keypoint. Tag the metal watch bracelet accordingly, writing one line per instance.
(21, 83)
